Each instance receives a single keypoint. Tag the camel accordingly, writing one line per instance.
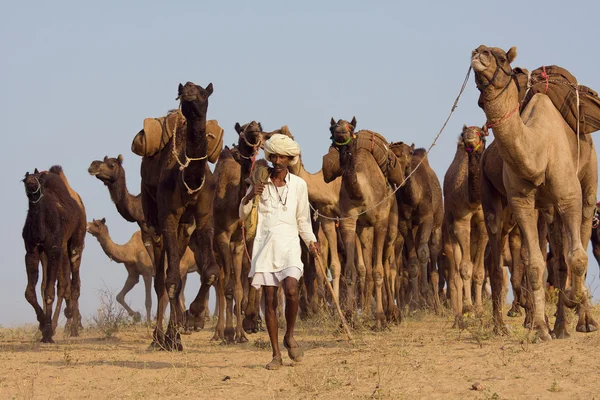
(110, 171)
(368, 208)
(54, 234)
(231, 172)
(420, 208)
(177, 191)
(596, 235)
(539, 172)
(134, 256)
(462, 202)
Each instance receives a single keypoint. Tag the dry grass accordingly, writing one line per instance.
(423, 357)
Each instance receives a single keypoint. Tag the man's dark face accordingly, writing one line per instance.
(280, 162)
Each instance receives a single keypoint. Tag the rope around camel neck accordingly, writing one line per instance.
(337, 219)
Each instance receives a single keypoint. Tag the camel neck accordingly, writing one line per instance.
(474, 177)
(128, 205)
(116, 252)
(516, 143)
(318, 190)
(196, 149)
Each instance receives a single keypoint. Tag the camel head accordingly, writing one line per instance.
(194, 99)
(473, 139)
(251, 137)
(342, 132)
(33, 185)
(404, 154)
(108, 170)
(493, 72)
(97, 227)
(284, 130)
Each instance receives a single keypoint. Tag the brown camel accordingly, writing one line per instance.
(177, 191)
(134, 256)
(462, 202)
(54, 233)
(231, 172)
(111, 172)
(368, 207)
(545, 165)
(420, 208)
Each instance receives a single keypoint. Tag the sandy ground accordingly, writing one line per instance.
(422, 358)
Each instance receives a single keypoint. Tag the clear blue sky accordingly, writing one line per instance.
(77, 81)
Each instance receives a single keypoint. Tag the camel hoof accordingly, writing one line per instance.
(501, 330)
(586, 328)
(137, 317)
(173, 341)
(514, 312)
(242, 339)
(249, 325)
(47, 340)
(560, 333)
(544, 335)
(229, 335)
(216, 338)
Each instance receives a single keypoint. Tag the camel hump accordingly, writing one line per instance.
(58, 170)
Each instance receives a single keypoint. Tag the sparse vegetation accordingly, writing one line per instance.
(111, 317)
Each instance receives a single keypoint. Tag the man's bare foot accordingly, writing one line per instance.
(275, 363)
(295, 352)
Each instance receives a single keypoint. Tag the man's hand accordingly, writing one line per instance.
(257, 190)
(314, 249)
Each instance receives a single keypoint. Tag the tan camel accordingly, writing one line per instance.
(177, 197)
(545, 164)
(462, 202)
(420, 208)
(231, 171)
(134, 256)
(368, 200)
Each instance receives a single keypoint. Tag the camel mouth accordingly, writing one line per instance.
(478, 64)
(93, 173)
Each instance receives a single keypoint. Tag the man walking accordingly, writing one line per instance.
(283, 215)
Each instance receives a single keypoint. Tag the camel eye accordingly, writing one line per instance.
(111, 165)
(502, 60)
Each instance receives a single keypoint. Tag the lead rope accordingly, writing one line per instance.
(578, 144)
(462, 89)
(183, 166)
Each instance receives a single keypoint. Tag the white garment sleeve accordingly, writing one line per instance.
(245, 209)
(303, 215)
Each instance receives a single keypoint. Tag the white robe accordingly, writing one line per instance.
(276, 245)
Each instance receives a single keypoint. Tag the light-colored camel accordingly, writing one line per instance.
(462, 202)
(545, 164)
(231, 171)
(368, 207)
(420, 209)
(134, 256)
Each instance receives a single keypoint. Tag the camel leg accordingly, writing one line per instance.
(361, 270)
(393, 313)
(516, 272)
(251, 315)
(462, 257)
(405, 230)
(557, 247)
(435, 244)
(75, 248)
(478, 268)
(238, 292)
(132, 279)
(349, 278)
(365, 235)
(32, 259)
(148, 302)
(423, 255)
(334, 263)
(63, 292)
(158, 336)
(523, 206)
(221, 303)
(380, 233)
(54, 268)
(585, 321)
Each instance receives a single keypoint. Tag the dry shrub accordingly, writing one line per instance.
(111, 317)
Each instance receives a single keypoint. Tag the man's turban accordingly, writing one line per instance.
(283, 146)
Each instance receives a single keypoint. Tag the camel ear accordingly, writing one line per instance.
(353, 122)
(35, 171)
(464, 128)
(238, 128)
(209, 88)
(260, 127)
(412, 149)
(285, 131)
(105, 158)
(180, 89)
(120, 159)
(333, 121)
(103, 220)
(511, 54)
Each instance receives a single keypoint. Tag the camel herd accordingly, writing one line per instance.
(392, 239)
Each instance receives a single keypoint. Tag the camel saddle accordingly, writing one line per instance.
(258, 175)
(378, 146)
(157, 134)
(561, 87)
